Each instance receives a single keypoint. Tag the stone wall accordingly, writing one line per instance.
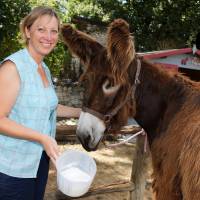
(70, 95)
(99, 33)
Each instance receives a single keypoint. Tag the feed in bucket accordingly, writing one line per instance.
(75, 172)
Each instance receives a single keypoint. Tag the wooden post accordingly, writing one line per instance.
(139, 170)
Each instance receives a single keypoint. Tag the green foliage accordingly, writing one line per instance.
(55, 60)
(86, 8)
(11, 13)
(156, 24)
(8, 46)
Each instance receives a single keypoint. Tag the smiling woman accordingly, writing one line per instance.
(41, 37)
(40, 32)
(28, 110)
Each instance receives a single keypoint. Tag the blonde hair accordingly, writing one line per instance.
(37, 12)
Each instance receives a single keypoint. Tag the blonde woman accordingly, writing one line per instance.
(28, 107)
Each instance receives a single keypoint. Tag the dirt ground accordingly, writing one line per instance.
(113, 166)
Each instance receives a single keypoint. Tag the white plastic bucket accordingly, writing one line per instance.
(75, 172)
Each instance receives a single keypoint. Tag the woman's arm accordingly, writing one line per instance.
(9, 89)
(68, 112)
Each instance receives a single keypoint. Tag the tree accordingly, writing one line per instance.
(156, 24)
(10, 15)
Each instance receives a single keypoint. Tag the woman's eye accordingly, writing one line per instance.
(41, 30)
(54, 31)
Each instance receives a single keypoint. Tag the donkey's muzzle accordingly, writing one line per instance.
(85, 140)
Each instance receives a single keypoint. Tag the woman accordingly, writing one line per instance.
(28, 106)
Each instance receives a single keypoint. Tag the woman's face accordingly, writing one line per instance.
(42, 35)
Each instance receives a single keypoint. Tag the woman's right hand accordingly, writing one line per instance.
(51, 147)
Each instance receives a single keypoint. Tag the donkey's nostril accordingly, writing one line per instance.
(87, 139)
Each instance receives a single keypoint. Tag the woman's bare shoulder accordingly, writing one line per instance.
(8, 66)
(8, 70)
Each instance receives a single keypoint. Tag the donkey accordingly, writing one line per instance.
(120, 84)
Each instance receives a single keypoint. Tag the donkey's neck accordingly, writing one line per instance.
(156, 99)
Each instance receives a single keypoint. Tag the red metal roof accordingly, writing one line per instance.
(174, 58)
(165, 53)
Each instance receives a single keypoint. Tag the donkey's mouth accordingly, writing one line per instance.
(87, 145)
(88, 148)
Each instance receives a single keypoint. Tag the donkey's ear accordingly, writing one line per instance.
(80, 44)
(120, 48)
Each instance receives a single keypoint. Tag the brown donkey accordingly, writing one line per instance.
(119, 85)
